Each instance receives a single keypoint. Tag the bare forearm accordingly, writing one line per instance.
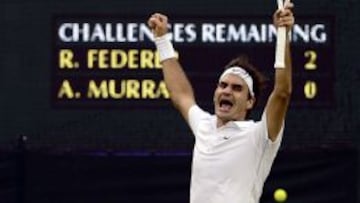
(176, 81)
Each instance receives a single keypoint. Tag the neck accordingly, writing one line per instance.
(221, 122)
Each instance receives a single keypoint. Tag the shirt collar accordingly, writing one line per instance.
(236, 124)
(242, 124)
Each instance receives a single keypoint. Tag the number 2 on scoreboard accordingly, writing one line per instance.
(311, 55)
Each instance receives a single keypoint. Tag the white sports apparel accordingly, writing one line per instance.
(231, 163)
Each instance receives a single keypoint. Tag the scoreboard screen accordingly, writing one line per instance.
(111, 61)
(78, 76)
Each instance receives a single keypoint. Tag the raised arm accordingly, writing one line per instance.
(177, 83)
(279, 99)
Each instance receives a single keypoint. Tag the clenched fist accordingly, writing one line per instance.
(284, 17)
(158, 23)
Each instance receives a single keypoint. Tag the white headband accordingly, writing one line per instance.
(243, 74)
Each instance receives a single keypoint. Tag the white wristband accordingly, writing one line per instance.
(164, 47)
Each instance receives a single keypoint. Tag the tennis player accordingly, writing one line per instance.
(232, 156)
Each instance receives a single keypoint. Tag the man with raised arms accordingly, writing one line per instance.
(233, 155)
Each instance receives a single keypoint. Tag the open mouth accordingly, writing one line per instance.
(225, 105)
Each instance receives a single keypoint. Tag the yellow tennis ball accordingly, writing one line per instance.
(280, 195)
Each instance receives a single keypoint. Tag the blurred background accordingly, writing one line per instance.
(85, 116)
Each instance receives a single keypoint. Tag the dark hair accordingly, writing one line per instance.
(259, 79)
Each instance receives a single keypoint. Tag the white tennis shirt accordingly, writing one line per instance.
(231, 163)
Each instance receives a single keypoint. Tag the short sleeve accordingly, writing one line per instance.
(196, 114)
(262, 137)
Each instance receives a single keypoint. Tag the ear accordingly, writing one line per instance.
(250, 103)
(215, 93)
(214, 96)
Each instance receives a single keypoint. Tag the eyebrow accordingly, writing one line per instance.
(236, 86)
(233, 86)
